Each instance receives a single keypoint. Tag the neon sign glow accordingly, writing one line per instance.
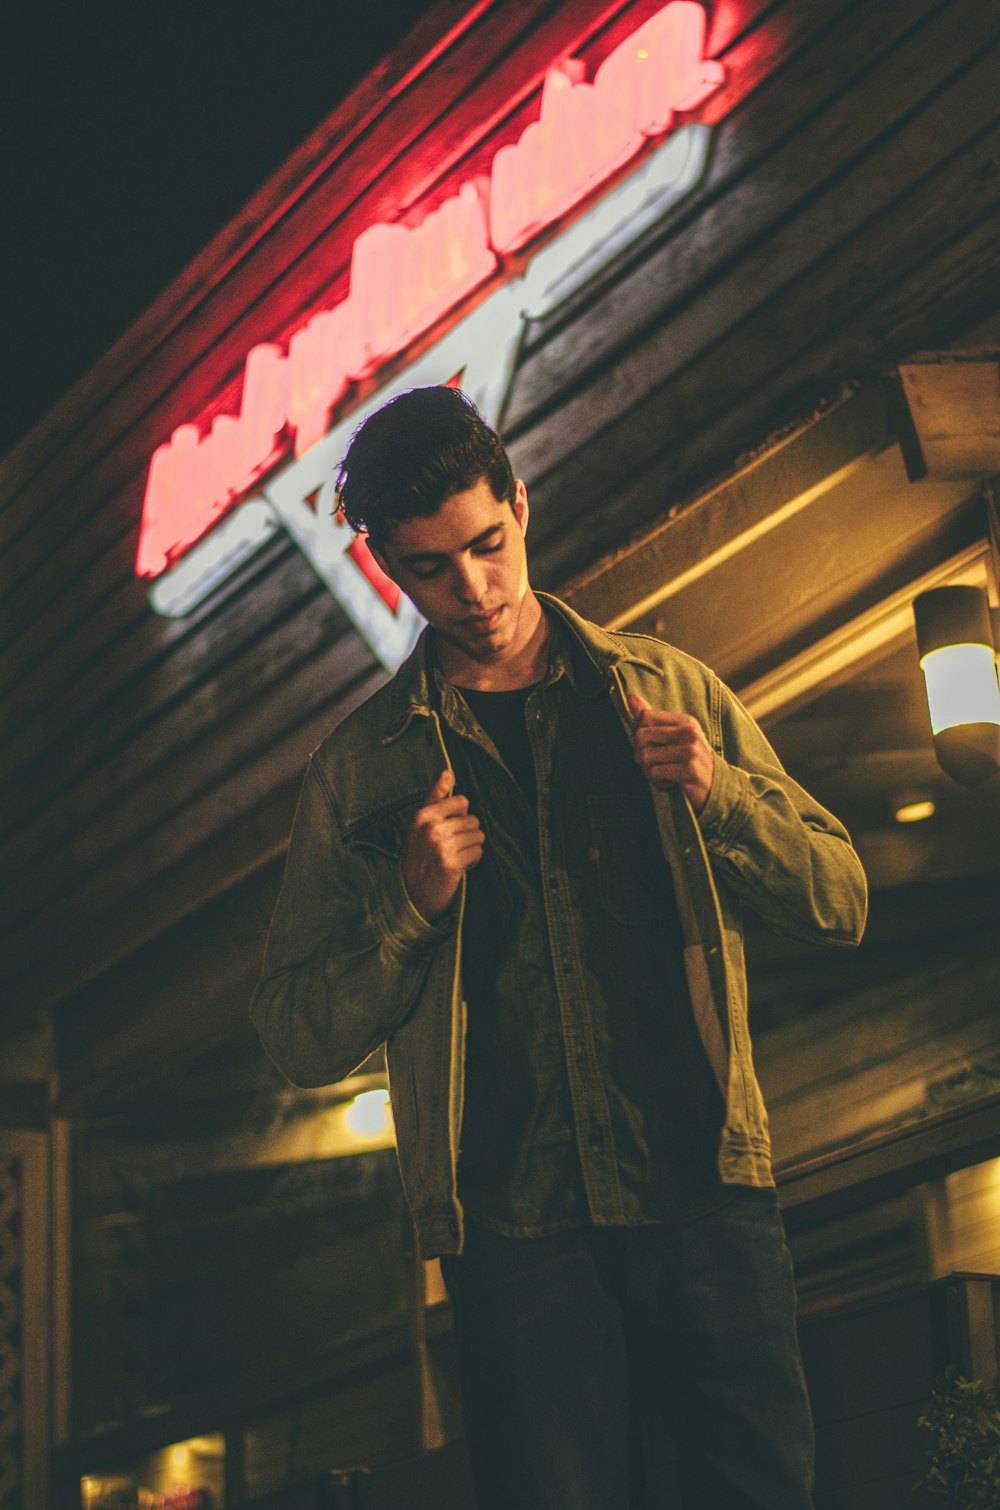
(404, 279)
(586, 131)
(478, 353)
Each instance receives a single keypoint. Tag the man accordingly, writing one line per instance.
(521, 865)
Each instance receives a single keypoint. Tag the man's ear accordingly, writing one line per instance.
(520, 505)
(381, 562)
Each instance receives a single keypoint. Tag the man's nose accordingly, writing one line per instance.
(471, 580)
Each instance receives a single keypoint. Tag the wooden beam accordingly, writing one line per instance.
(881, 1167)
(946, 410)
(769, 489)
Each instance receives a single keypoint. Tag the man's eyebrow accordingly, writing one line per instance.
(469, 545)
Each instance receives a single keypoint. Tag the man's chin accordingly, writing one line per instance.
(485, 647)
(474, 646)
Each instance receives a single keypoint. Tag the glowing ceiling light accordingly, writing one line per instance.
(915, 812)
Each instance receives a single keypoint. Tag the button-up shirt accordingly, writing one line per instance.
(588, 1094)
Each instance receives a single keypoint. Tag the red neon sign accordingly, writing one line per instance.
(403, 279)
(586, 131)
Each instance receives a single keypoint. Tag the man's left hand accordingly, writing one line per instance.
(672, 750)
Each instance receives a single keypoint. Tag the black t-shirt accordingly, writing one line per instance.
(589, 1097)
(502, 716)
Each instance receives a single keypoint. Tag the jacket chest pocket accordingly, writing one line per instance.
(379, 836)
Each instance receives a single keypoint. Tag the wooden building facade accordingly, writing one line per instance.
(714, 399)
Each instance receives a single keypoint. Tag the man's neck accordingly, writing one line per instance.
(520, 666)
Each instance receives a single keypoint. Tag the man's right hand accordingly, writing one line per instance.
(443, 841)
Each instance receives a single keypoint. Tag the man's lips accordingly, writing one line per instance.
(484, 622)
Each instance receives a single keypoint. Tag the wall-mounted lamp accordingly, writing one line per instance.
(955, 641)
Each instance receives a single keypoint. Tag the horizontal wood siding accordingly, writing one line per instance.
(890, 1055)
(131, 744)
(849, 216)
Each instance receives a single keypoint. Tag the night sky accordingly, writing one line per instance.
(131, 133)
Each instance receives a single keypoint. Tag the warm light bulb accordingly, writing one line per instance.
(915, 812)
(962, 686)
(368, 1114)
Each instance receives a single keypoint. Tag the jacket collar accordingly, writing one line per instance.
(604, 649)
(411, 690)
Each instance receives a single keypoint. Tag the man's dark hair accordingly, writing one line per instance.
(408, 457)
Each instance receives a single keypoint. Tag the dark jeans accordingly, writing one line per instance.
(653, 1367)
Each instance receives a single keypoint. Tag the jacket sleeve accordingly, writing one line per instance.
(347, 953)
(773, 844)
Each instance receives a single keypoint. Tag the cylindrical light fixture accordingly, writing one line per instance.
(955, 641)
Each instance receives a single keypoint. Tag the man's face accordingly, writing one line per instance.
(466, 570)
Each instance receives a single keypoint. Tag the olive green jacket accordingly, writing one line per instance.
(350, 964)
